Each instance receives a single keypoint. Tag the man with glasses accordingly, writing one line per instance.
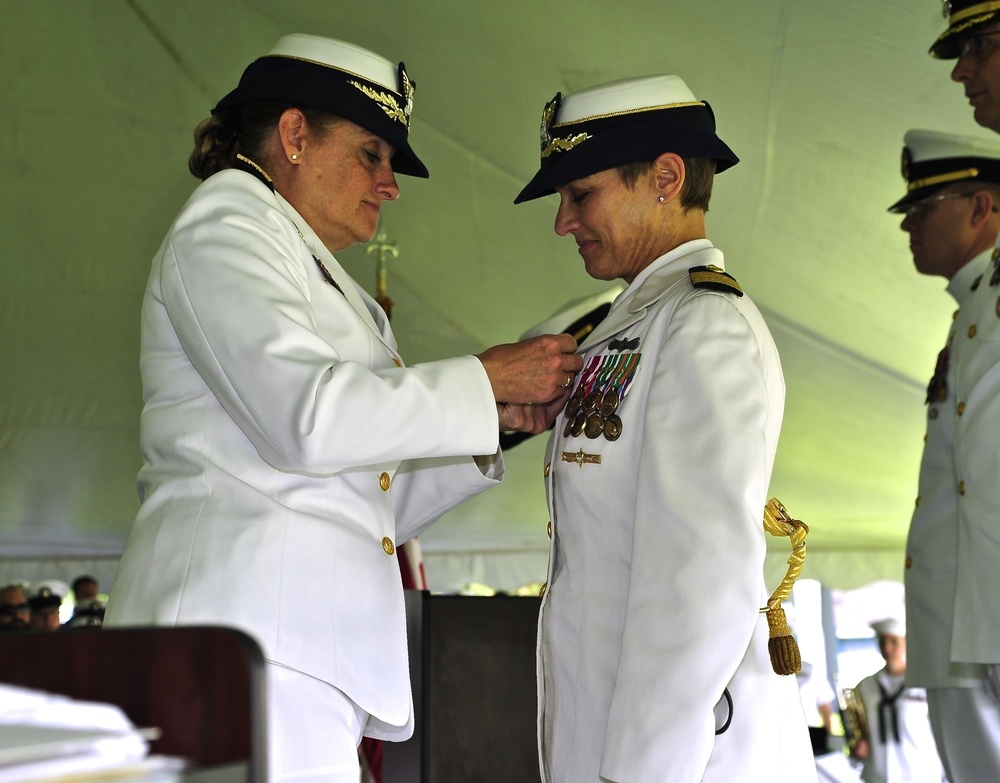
(973, 40)
(15, 613)
(952, 572)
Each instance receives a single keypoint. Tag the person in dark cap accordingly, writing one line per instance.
(653, 650)
(972, 39)
(287, 450)
(45, 601)
(952, 559)
(899, 747)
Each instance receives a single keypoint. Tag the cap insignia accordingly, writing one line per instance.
(387, 102)
(946, 8)
(905, 164)
(408, 89)
(548, 115)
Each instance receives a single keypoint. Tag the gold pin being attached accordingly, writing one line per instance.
(581, 458)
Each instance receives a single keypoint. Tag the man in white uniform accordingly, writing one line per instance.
(900, 747)
(952, 559)
(653, 663)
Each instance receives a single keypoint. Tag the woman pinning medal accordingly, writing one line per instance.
(287, 449)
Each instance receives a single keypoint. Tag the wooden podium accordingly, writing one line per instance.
(472, 666)
(203, 687)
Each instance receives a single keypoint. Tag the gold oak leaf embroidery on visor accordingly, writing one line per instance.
(386, 102)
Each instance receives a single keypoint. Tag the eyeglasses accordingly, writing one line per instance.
(975, 45)
(918, 208)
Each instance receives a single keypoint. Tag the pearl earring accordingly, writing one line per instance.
(295, 157)
(661, 199)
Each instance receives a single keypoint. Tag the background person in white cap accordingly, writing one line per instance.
(900, 747)
(287, 450)
(952, 573)
(653, 651)
(45, 599)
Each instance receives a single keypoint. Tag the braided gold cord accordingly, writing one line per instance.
(784, 650)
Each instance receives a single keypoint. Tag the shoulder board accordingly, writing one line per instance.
(714, 278)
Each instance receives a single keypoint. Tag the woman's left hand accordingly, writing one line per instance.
(530, 418)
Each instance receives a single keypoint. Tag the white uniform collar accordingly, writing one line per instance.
(681, 250)
(961, 285)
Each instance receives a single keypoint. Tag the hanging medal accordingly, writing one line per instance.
(592, 408)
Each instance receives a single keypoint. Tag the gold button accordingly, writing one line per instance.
(960, 408)
(548, 529)
(385, 482)
(972, 331)
(388, 546)
(932, 414)
(543, 588)
(548, 469)
(909, 562)
(996, 253)
(961, 487)
(954, 315)
(396, 362)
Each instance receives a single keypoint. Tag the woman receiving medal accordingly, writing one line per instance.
(287, 449)
(653, 653)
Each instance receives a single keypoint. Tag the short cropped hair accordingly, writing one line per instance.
(699, 173)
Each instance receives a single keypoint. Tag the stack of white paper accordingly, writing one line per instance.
(47, 738)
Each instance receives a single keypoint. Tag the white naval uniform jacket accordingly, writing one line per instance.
(281, 439)
(655, 580)
(976, 633)
(941, 524)
(914, 758)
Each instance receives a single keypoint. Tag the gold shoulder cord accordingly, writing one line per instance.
(782, 647)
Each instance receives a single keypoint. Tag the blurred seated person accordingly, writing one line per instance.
(14, 610)
(45, 600)
(85, 588)
(89, 609)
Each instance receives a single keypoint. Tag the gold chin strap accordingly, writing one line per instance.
(784, 650)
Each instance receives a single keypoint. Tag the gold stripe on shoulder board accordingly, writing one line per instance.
(715, 279)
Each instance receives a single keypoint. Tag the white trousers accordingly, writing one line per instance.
(313, 729)
(966, 726)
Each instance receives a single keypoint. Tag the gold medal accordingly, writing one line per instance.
(594, 425)
(575, 402)
(612, 428)
(609, 403)
(578, 423)
(591, 401)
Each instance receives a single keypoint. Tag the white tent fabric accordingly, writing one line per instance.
(97, 104)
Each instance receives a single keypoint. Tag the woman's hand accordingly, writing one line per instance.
(528, 417)
(535, 371)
